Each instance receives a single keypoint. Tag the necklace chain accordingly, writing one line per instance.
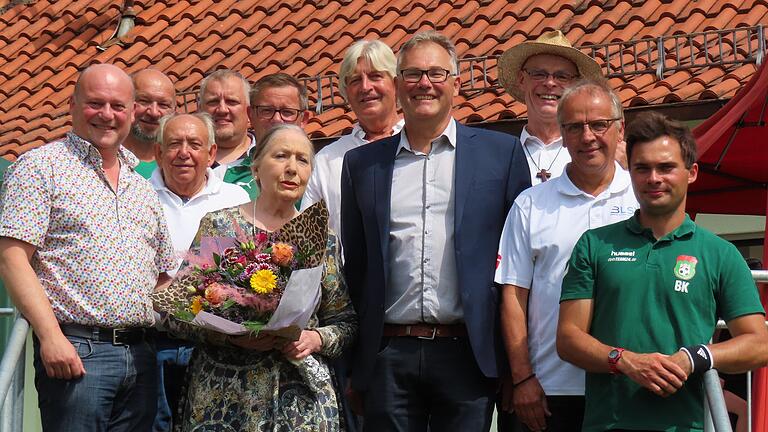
(538, 168)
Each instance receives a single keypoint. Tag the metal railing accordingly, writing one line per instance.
(658, 56)
(12, 374)
(12, 380)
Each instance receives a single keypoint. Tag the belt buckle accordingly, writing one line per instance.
(432, 337)
(116, 333)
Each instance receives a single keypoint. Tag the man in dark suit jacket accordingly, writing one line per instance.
(422, 213)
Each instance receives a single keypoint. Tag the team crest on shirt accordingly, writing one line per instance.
(685, 268)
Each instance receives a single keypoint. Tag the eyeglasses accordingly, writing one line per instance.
(560, 77)
(434, 75)
(598, 127)
(267, 112)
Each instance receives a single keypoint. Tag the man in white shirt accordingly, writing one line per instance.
(537, 73)
(367, 82)
(539, 234)
(187, 189)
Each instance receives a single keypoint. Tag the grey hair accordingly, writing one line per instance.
(202, 116)
(376, 52)
(592, 86)
(261, 147)
(221, 75)
(434, 37)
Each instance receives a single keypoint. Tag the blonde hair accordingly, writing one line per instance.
(375, 52)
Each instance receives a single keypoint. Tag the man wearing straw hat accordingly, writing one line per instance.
(537, 72)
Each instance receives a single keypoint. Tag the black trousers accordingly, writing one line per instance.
(567, 416)
(422, 385)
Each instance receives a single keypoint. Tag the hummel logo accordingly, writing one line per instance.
(701, 352)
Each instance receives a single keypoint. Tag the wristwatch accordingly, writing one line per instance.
(613, 359)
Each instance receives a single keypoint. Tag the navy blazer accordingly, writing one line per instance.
(490, 172)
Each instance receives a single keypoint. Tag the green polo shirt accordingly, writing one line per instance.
(240, 174)
(145, 169)
(654, 296)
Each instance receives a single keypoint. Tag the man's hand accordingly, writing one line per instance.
(308, 343)
(60, 358)
(657, 372)
(530, 404)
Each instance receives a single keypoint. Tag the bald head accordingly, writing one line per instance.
(107, 71)
(102, 107)
(155, 98)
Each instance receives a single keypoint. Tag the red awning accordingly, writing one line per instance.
(733, 173)
(733, 154)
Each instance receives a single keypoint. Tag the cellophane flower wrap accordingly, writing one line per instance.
(255, 282)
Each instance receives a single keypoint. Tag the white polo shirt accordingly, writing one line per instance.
(541, 229)
(183, 218)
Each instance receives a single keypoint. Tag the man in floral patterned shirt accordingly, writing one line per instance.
(82, 243)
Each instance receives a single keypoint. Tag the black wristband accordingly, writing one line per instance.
(701, 358)
(514, 385)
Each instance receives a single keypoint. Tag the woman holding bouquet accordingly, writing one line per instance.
(269, 383)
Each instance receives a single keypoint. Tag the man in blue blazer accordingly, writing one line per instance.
(422, 213)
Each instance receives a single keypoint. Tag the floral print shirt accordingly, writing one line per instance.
(98, 251)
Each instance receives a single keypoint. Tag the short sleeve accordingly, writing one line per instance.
(26, 199)
(165, 259)
(737, 293)
(515, 255)
(579, 280)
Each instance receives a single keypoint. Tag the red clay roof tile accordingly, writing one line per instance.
(45, 44)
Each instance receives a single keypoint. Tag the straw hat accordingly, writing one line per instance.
(553, 43)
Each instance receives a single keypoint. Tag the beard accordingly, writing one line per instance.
(138, 133)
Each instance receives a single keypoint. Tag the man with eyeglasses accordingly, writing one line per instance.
(537, 73)
(274, 99)
(155, 97)
(641, 298)
(540, 231)
(224, 96)
(422, 213)
(367, 82)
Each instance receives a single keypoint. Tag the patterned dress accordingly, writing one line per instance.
(235, 389)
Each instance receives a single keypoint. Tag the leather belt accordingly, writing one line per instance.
(116, 336)
(425, 330)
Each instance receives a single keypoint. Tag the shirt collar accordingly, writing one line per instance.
(212, 184)
(359, 134)
(449, 132)
(526, 138)
(86, 149)
(620, 182)
(687, 228)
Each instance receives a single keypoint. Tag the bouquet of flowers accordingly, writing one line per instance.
(259, 283)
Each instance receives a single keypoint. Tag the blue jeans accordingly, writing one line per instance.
(172, 360)
(117, 393)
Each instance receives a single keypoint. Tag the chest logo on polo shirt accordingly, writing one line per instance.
(685, 268)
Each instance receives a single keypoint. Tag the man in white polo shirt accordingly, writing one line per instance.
(539, 234)
(187, 187)
(188, 190)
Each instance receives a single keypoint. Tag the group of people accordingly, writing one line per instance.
(555, 277)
